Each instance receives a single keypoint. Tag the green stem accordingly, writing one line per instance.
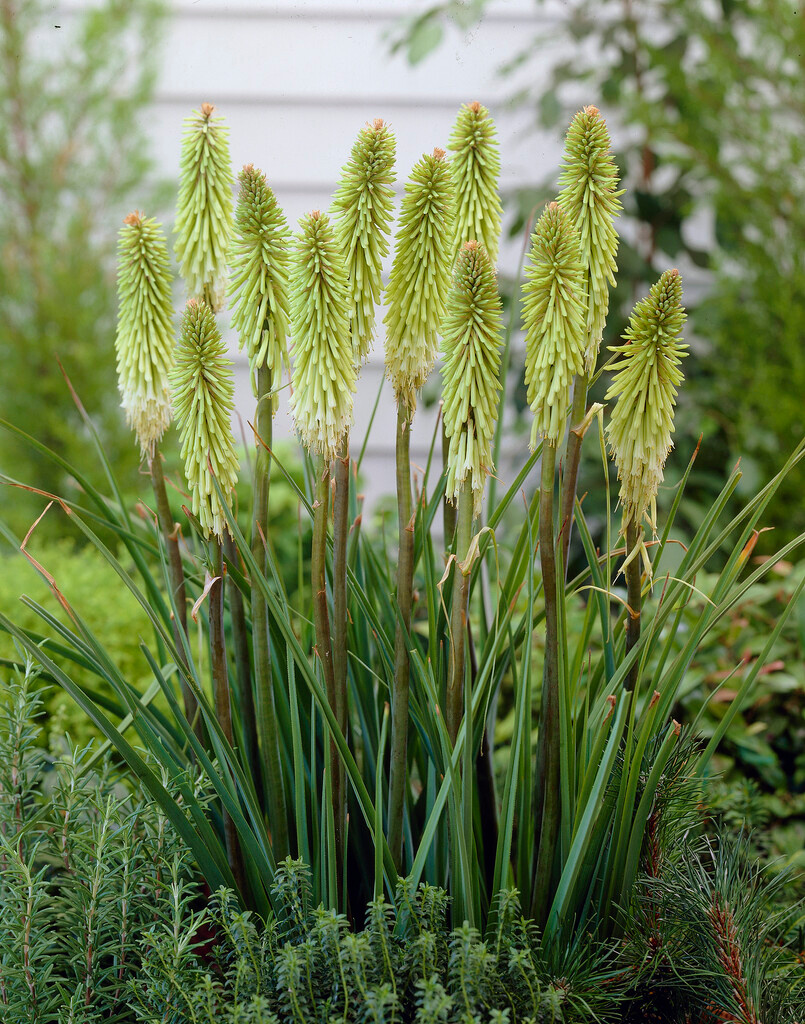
(321, 618)
(547, 799)
(340, 652)
(572, 460)
(634, 599)
(243, 669)
(398, 782)
(458, 614)
(448, 508)
(220, 681)
(265, 711)
(170, 534)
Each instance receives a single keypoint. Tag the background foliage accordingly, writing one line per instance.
(72, 154)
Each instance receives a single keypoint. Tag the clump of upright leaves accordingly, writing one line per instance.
(645, 384)
(553, 315)
(471, 352)
(588, 194)
(204, 212)
(475, 170)
(323, 367)
(420, 276)
(260, 277)
(363, 206)
(203, 400)
(144, 340)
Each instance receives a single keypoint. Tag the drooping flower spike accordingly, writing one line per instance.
(645, 385)
(363, 205)
(204, 212)
(144, 342)
(203, 399)
(553, 315)
(475, 169)
(259, 287)
(471, 371)
(420, 276)
(589, 194)
(323, 366)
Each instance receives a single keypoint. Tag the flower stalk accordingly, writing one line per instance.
(203, 400)
(416, 294)
(553, 315)
(471, 355)
(589, 196)
(259, 290)
(324, 385)
(144, 344)
(646, 380)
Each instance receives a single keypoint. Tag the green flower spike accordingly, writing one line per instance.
(324, 370)
(261, 259)
(363, 205)
(475, 169)
(553, 314)
(204, 213)
(420, 277)
(203, 389)
(470, 371)
(589, 194)
(645, 384)
(144, 341)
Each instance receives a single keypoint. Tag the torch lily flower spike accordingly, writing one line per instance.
(144, 340)
(589, 195)
(259, 286)
(324, 369)
(204, 213)
(470, 372)
(645, 384)
(203, 389)
(475, 170)
(420, 277)
(553, 315)
(363, 205)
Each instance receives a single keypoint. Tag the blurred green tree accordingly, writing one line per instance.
(707, 101)
(72, 158)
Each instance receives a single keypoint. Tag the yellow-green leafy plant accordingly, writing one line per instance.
(416, 294)
(259, 290)
(647, 376)
(589, 195)
(475, 170)
(553, 314)
(324, 377)
(363, 206)
(470, 386)
(204, 211)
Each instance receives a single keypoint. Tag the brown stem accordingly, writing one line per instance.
(170, 534)
(398, 779)
(223, 706)
(458, 614)
(633, 598)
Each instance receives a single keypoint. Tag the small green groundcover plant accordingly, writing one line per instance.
(355, 724)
